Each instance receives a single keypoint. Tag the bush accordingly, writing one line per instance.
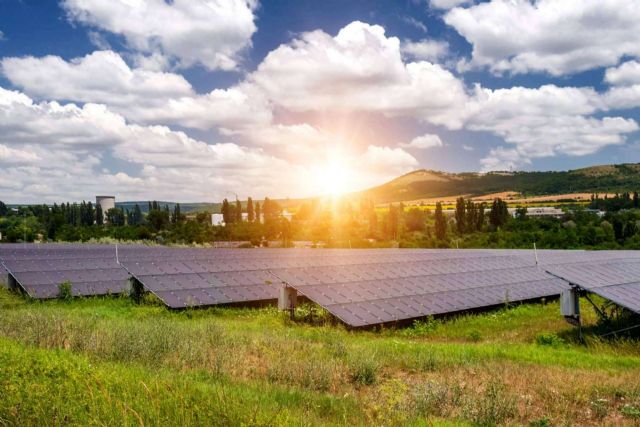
(630, 411)
(436, 399)
(64, 291)
(493, 407)
(363, 370)
(549, 339)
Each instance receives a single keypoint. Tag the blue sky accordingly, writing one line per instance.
(191, 100)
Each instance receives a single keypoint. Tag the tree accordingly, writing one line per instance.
(471, 217)
(460, 215)
(521, 213)
(238, 211)
(250, 213)
(225, 212)
(136, 216)
(115, 217)
(176, 217)
(99, 215)
(258, 214)
(3, 209)
(393, 222)
(635, 200)
(480, 217)
(440, 223)
(415, 219)
(158, 218)
(499, 213)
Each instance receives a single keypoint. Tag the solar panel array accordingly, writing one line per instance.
(616, 280)
(445, 282)
(360, 287)
(40, 269)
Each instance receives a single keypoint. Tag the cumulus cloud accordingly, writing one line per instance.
(425, 141)
(55, 150)
(426, 50)
(625, 81)
(64, 146)
(554, 36)
(627, 73)
(360, 69)
(448, 4)
(139, 94)
(543, 122)
(212, 33)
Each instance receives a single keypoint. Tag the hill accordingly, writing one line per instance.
(425, 184)
(428, 184)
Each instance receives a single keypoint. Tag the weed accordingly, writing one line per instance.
(474, 336)
(549, 339)
(363, 370)
(494, 406)
(540, 422)
(65, 292)
(436, 399)
(630, 411)
(600, 408)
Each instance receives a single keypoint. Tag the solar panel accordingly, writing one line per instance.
(200, 277)
(361, 287)
(617, 280)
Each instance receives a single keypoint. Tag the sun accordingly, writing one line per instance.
(332, 178)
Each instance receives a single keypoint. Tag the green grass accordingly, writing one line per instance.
(108, 361)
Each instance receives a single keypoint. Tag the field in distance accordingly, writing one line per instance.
(108, 361)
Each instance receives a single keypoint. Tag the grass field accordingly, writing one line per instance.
(107, 361)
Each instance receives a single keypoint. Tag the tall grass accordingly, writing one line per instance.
(432, 371)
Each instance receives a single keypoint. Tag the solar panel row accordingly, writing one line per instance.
(360, 287)
(617, 280)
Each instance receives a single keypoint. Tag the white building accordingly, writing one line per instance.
(106, 202)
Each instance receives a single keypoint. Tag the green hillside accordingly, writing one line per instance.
(425, 184)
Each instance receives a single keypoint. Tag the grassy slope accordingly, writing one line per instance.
(608, 178)
(107, 361)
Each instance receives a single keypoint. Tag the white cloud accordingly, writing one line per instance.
(448, 4)
(426, 50)
(625, 90)
(64, 146)
(139, 94)
(360, 69)
(99, 40)
(102, 76)
(415, 23)
(627, 73)
(555, 36)
(503, 159)
(209, 32)
(546, 121)
(62, 151)
(425, 141)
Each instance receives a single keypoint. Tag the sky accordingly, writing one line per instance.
(198, 100)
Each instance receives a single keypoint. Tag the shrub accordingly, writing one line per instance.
(491, 408)
(363, 370)
(474, 336)
(549, 339)
(436, 399)
(64, 291)
(630, 411)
